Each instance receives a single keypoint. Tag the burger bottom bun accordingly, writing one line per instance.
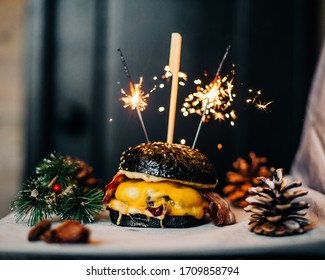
(139, 220)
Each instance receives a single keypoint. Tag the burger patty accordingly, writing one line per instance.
(139, 220)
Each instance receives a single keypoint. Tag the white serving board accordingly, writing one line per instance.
(207, 241)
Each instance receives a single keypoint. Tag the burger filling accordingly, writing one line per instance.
(157, 199)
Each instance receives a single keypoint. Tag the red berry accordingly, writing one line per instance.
(157, 211)
(57, 188)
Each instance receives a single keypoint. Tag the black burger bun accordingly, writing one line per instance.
(139, 220)
(166, 161)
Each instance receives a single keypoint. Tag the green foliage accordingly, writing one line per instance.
(81, 206)
(37, 201)
(56, 165)
(34, 200)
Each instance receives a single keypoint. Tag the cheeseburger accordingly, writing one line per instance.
(167, 185)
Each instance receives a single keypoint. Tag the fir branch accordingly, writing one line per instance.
(39, 201)
(59, 167)
(80, 206)
(34, 202)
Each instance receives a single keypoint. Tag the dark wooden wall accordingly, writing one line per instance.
(73, 69)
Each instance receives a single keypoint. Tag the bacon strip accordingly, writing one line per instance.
(218, 210)
(111, 187)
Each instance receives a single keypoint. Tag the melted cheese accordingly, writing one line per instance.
(150, 178)
(134, 196)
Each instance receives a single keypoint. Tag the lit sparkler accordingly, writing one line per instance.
(212, 101)
(137, 98)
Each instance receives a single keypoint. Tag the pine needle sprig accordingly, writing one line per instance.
(57, 168)
(81, 206)
(33, 201)
(59, 188)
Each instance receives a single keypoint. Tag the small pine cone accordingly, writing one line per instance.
(274, 212)
(85, 176)
(244, 177)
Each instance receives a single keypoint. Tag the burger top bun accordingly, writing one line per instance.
(161, 161)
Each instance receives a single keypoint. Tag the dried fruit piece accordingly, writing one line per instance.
(67, 232)
(37, 231)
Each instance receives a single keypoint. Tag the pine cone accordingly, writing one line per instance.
(85, 176)
(274, 211)
(238, 182)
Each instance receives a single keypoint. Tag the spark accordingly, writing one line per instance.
(263, 106)
(137, 98)
(256, 100)
(181, 75)
(183, 141)
(212, 101)
(153, 89)
(220, 117)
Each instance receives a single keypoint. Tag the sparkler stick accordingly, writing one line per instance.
(133, 93)
(222, 61)
(142, 123)
(174, 63)
(207, 98)
(125, 66)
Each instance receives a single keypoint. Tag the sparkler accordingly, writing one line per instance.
(213, 100)
(137, 99)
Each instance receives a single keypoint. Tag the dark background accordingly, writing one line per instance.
(73, 69)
